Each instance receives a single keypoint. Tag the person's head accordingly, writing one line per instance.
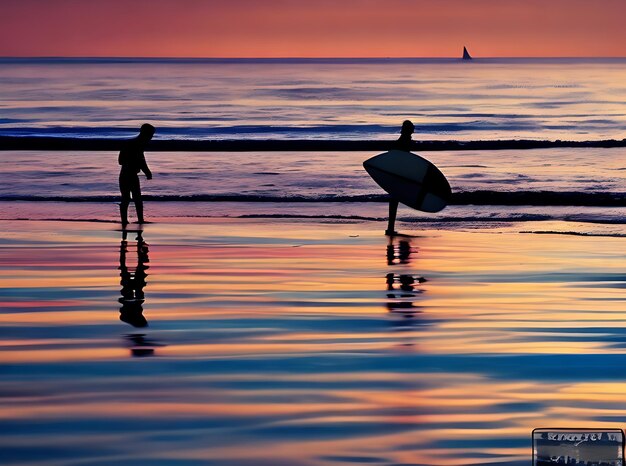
(146, 131)
(407, 128)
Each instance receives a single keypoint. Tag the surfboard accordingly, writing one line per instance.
(410, 179)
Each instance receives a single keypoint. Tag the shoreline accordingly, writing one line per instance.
(49, 143)
(587, 221)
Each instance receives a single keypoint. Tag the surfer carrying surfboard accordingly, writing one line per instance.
(408, 178)
(403, 143)
(133, 161)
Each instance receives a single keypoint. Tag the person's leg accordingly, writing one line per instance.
(393, 210)
(138, 201)
(125, 191)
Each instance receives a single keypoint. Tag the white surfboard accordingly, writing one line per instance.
(410, 179)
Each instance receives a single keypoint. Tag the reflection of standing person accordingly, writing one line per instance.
(402, 288)
(133, 281)
(133, 161)
(403, 143)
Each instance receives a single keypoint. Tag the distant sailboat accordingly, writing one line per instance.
(466, 55)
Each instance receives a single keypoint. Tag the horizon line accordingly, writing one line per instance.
(86, 57)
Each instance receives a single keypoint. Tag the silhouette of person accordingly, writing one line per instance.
(403, 143)
(133, 161)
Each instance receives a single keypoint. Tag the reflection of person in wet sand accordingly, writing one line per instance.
(401, 287)
(403, 298)
(403, 143)
(133, 161)
(404, 252)
(133, 281)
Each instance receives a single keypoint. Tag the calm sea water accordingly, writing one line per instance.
(343, 99)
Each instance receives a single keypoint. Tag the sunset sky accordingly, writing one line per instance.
(319, 28)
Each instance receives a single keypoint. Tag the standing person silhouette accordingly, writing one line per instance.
(403, 143)
(133, 161)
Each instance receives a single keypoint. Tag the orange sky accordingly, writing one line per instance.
(314, 28)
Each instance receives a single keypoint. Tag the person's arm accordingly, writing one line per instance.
(144, 167)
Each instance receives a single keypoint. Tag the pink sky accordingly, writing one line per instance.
(320, 28)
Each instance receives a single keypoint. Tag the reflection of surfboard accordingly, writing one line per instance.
(410, 179)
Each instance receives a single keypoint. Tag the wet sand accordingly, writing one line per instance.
(281, 342)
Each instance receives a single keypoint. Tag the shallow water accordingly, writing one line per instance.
(551, 185)
(294, 176)
(287, 342)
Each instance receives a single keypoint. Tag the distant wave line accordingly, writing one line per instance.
(474, 124)
(89, 143)
(515, 198)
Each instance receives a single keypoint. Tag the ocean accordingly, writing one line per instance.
(489, 99)
(568, 99)
(262, 317)
(573, 99)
